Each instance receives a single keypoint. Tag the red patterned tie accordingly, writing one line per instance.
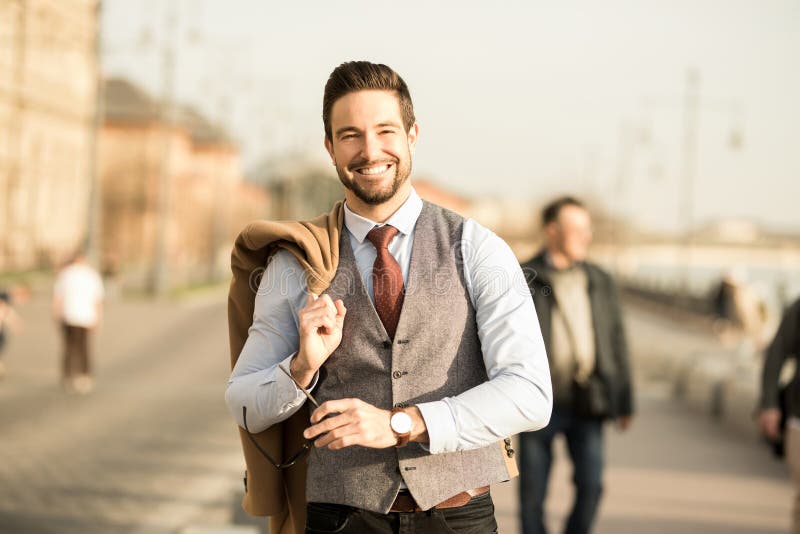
(387, 279)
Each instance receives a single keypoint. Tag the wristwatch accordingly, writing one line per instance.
(400, 423)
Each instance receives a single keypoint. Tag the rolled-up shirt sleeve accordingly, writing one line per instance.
(518, 395)
(256, 382)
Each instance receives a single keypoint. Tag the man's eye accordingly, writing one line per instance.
(387, 132)
(348, 136)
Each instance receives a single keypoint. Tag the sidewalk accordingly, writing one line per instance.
(677, 469)
(673, 472)
(153, 449)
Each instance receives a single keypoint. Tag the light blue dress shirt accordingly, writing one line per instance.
(517, 397)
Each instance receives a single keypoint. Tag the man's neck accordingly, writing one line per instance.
(378, 212)
(559, 260)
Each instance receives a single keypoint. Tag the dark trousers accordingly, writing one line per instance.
(585, 444)
(76, 351)
(475, 517)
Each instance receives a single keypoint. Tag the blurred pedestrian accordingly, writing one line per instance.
(582, 326)
(740, 312)
(77, 308)
(10, 323)
(784, 346)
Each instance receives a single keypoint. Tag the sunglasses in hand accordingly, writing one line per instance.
(307, 446)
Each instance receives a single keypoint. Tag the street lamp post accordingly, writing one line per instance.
(93, 240)
(160, 272)
(689, 170)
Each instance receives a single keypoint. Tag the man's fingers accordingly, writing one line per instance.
(340, 310)
(772, 428)
(316, 317)
(349, 422)
(314, 302)
(769, 422)
(333, 406)
(326, 425)
(345, 441)
(321, 324)
(336, 434)
(328, 302)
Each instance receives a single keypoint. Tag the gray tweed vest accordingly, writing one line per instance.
(436, 353)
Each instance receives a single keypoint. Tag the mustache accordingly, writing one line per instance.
(367, 163)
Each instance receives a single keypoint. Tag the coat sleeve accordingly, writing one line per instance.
(783, 345)
(624, 381)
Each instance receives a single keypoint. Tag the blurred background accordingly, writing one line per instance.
(151, 132)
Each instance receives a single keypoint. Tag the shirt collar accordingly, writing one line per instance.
(403, 219)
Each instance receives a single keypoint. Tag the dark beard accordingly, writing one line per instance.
(401, 174)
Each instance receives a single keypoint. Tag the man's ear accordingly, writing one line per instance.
(413, 133)
(329, 148)
(550, 230)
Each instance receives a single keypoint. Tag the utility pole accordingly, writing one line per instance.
(93, 240)
(624, 152)
(217, 213)
(690, 108)
(159, 273)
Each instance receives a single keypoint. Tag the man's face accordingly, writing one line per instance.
(370, 147)
(571, 233)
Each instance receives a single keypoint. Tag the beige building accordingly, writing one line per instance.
(47, 105)
(207, 202)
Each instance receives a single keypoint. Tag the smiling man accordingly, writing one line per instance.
(373, 160)
(424, 350)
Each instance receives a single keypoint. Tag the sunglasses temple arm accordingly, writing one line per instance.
(253, 440)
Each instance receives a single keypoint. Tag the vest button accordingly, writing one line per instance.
(397, 374)
(387, 344)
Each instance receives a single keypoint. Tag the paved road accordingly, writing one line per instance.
(153, 448)
(675, 471)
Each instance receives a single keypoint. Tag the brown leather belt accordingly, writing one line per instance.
(406, 503)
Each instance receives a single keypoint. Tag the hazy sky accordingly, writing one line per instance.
(514, 99)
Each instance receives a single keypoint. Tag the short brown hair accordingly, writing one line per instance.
(553, 209)
(361, 76)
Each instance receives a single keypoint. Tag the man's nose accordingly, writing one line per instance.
(372, 149)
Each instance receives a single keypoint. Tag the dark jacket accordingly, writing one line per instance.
(611, 349)
(786, 344)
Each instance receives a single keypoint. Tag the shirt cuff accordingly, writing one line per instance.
(287, 389)
(441, 427)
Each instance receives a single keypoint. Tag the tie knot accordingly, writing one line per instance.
(380, 236)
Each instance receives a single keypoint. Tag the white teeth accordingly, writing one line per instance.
(374, 170)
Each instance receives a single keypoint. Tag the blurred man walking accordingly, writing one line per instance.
(582, 327)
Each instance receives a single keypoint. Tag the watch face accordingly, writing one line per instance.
(401, 423)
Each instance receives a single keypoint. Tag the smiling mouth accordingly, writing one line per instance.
(374, 170)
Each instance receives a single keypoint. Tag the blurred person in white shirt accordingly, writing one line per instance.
(77, 308)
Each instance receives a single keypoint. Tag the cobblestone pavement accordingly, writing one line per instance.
(153, 449)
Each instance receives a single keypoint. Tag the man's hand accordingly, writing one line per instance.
(321, 322)
(355, 422)
(769, 421)
(624, 422)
